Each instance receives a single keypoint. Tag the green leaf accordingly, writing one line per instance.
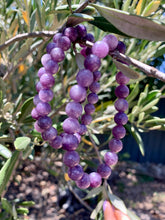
(77, 18)
(104, 25)
(117, 202)
(6, 205)
(27, 152)
(134, 93)
(21, 143)
(160, 51)
(94, 192)
(97, 210)
(138, 139)
(135, 26)
(132, 215)
(32, 20)
(23, 211)
(26, 203)
(154, 121)
(151, 7)
(9, 2)
(26, 109)
(5, 152)
(150, 105)
(6, 171)
(132, 74)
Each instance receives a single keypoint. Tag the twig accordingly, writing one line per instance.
(23, 36)
(95, 147)
(149, 70)
(79, 199)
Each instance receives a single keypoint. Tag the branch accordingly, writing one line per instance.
(149, 70)
(27, 35)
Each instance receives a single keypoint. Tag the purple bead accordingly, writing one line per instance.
(110, 158)
(95, 179)
(45, 58)
(90, 37)
(43, 108)
(41, 71)
(73, 109)
(119, 132)
(115, 145)
(81, 30)
(89, 109)
(122, 91)
(94, 87)
(83, 52)
(44, 122)
(121, 78)
(71, 33)
(82, 130)
(51, 66)
(84, 182)
(92, 62)
(39, 86)
(56, 143)
(57, 54)
(121, 47)
(75, 173)
(69, 142)
(57, 37)
(112, 41)
(104, 170)
(50, 46)
(49, 134)
(46, 95)
(84, 78)
(71, 158)
(36, 99)
(86, 119)
(92, 98)
(77, 93)
(97, 75)
(37, 127)
(78, 136)
(64, 43)
(100, 49)
(47, 80)
(35, 114)
(121, 105)
(71, 125)
(121, 118)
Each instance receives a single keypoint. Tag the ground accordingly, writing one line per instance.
(143, 194)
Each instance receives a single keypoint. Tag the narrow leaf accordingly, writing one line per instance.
(77, 18)
(80, 61)
(140, 7)
(26, 109)
(94, 192)
(151, 7)
(6, 170)
(134, 93)
(21, 143)
(132, 74)
(135, 26)
(6, 205)
(5, 152)
(117, 203)
(97, 210)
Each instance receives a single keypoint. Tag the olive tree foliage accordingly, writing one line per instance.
(26, 27)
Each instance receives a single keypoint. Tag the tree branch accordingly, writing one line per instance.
(27, 35)
(149, 70)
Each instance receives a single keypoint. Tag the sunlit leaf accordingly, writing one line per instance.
(5, 152)
(97, 210)
(21, 143)
(151, 7)
(133, 25)
(140, 7)
(94, 192)
(26, 109)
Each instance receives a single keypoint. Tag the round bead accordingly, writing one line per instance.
(46, 95)
(100, 49)
(115, 145)
(84, 182)
(69, 142)
(121, 78)
(56, 143)
(71, 33)
(36, 99)
(57, 54)
(112, 41)
(104, 170)
(86, 119)
(95, 179)
(35, 114)
(75, 173)
(64, 43)
(84, 77)
(37, 127)
(44, 122)
(77, 93)
(89, 109)
(121, 105)
(92, 62)
(73, 109)
(121, 47)
(71, 125)
(51, 66)
(47, 80)
(41, 71)
(122, 91)
(121, 118)
(110, 158)
(57, 37)
(49, 134)
(82, 31)
(71, 158)
(82, 130)
(97, 75)
(45, 58)
(50, 46)
(92, 98)
(94, 87)
(119, 132)
(43, 108)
